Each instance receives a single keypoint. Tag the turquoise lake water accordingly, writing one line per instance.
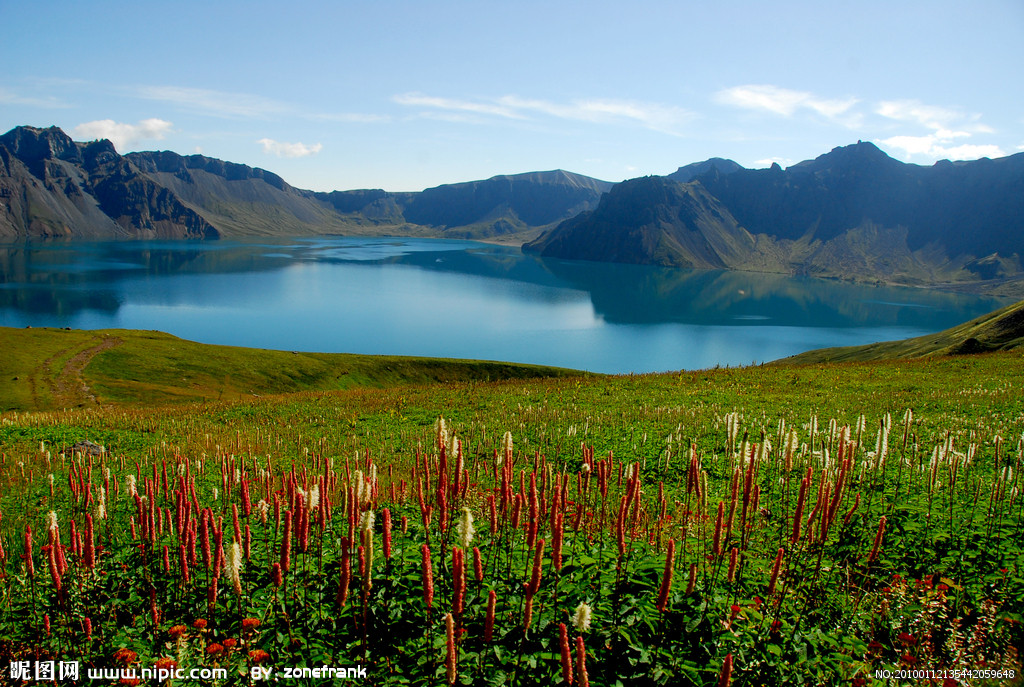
(456, 299)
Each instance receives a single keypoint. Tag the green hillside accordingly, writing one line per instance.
(997, 331)
(54, 368)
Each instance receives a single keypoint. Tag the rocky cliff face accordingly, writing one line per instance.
(51, 186)
(240, 200)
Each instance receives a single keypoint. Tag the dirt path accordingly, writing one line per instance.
(68, 387)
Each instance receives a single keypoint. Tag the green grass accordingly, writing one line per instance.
(554, 413)
(153, 368)
(31, 361)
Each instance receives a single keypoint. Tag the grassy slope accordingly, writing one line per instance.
(151, 368)
(630, 415)
(999, 330)
(970, 398)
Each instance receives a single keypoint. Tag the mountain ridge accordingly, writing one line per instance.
(853, 213)
(52, 186)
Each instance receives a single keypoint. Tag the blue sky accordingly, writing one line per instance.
(407, 95)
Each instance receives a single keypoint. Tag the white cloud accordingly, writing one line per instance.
(281, 149)
(778, 100)
(769, 161)
(912, 145)
(663, 118)
(421, 100)
(666, 119)
(786, 102)
(243, 105)
(934, 146)
(928, 116)
(946, 125)
(123, 135)
(970, 151)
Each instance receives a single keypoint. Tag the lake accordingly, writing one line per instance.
(457, 299)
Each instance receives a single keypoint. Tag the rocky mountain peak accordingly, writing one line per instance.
(859, 155)
(33, 145)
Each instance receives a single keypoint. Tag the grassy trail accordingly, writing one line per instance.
(56, 380)
(69, 388)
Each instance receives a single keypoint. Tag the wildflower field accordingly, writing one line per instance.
(769, 525)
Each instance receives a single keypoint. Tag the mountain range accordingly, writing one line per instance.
(51, 186)
(853, 213)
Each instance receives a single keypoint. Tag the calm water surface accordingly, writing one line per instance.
(456, 299)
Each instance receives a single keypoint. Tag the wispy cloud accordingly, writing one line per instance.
(654, 116)
(8, 97)
(936, 147)
(663, 118)
(217, 103)
(787, 102)
(946, 125)
(231, 105)
(946, 131)
(455, 104)
(350, 117)
(929, 116)
(281, 149)
(121, 134)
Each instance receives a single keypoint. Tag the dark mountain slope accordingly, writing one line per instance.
(375, 206)
(853, 213)
(821, 198)
(238, 199)
(653, 219)
(967, 207)
(506, 203)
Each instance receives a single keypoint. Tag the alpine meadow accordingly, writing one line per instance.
(780, 524)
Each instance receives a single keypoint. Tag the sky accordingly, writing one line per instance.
(403, 96)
